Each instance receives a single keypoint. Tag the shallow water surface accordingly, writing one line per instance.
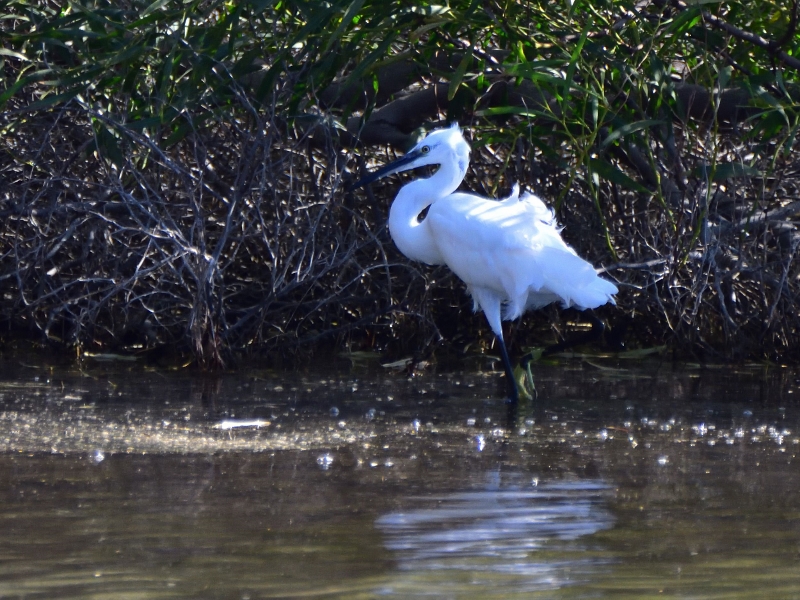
(640, 481)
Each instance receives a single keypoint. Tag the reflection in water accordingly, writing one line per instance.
(535, 535)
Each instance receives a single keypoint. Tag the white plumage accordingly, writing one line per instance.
(508, 252)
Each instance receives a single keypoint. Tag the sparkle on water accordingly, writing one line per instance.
(360, 483)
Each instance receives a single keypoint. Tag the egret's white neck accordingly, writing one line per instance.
(412, 236)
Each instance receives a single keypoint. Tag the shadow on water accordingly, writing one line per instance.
(357, 483)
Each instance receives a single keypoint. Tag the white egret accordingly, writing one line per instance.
(508, 252)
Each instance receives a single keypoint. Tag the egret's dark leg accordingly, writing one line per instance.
(491, 303)
(513, 394)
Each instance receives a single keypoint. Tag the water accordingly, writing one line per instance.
(641, 480)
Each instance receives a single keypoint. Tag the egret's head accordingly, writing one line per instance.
(446, 147)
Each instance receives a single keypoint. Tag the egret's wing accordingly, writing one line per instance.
(514, 248)
(550, 260)
(538, 209)
(469, 232)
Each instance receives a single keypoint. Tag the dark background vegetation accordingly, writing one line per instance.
(174, 174)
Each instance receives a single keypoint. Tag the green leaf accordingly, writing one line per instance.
(12, 54)
(458, 76)
(642, 352)
(347, 19)
(108, 146)
(724, 77)
(514, 110)
(627, 129)
(573, 61)
(154, 7)
(724, 171)
(613, 174)
(141, 124)
(186, 127)
(128, 54)
(52, 100)
(21, 83)
(529, 68)
(683, 22)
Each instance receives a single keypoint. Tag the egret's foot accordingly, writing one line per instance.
(523, 376)
(523, 381)
(529, 381)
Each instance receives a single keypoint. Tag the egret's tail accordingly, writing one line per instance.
(598, 292)
(558, 275)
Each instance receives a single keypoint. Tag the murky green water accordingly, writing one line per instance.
(621, 481)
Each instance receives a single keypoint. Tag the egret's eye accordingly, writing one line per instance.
(425, 149)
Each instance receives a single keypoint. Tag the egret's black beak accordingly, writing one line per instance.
(401, 164)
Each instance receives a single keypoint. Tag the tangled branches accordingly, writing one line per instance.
(232, 239)
(243, 237)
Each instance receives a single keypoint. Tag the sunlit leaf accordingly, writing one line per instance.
(158, 4)
(12, 54)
